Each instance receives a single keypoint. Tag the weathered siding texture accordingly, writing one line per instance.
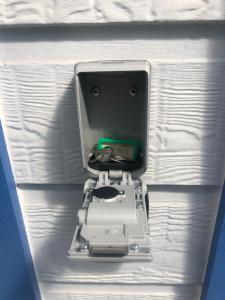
(187, 107)
(180, 220)
(186, 135)
(179, 236)
(101, 11)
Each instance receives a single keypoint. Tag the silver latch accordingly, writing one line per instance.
(115, 174)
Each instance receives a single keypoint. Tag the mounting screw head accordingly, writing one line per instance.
(133, 91)
(134, 247)
(83, 246)
(95, 91)
(121, 192)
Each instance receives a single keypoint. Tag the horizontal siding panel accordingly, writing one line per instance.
(118, 292)
(14, 12)
(42, 124)
(186, 134)
(180, 220)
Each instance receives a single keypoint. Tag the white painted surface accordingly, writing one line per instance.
(180, 220)
(187, 104)
(119, 292)
(13, 12)
(186, 135)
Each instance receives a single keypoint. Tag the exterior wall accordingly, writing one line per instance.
(186, 105)
(102, 11)
(179, 248)
(186, 135)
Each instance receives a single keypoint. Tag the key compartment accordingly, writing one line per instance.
(112, 102)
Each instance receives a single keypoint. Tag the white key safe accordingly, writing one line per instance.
(112, 100)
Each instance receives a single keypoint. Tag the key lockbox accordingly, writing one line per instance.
(113, 99)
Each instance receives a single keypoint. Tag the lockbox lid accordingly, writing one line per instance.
(112, 99)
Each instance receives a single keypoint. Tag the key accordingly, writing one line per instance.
(104, 155)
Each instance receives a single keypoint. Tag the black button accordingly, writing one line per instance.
(105, 192)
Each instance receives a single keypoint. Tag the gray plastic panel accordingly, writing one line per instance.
(114, 228)
(114, 112)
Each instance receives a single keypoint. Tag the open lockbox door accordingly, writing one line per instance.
(112, 99)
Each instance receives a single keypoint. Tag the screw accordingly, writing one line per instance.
(95, 91)
(121, 192)
(139, 206)
(133, 91)
(83, 246)
(134, 247)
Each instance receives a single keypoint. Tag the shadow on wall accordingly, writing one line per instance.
(213, 137)
(66, 139)
(111, 32)
(52, 231)
(213, 112)
(66, 115)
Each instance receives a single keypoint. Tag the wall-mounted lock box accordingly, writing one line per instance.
(112, 99)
